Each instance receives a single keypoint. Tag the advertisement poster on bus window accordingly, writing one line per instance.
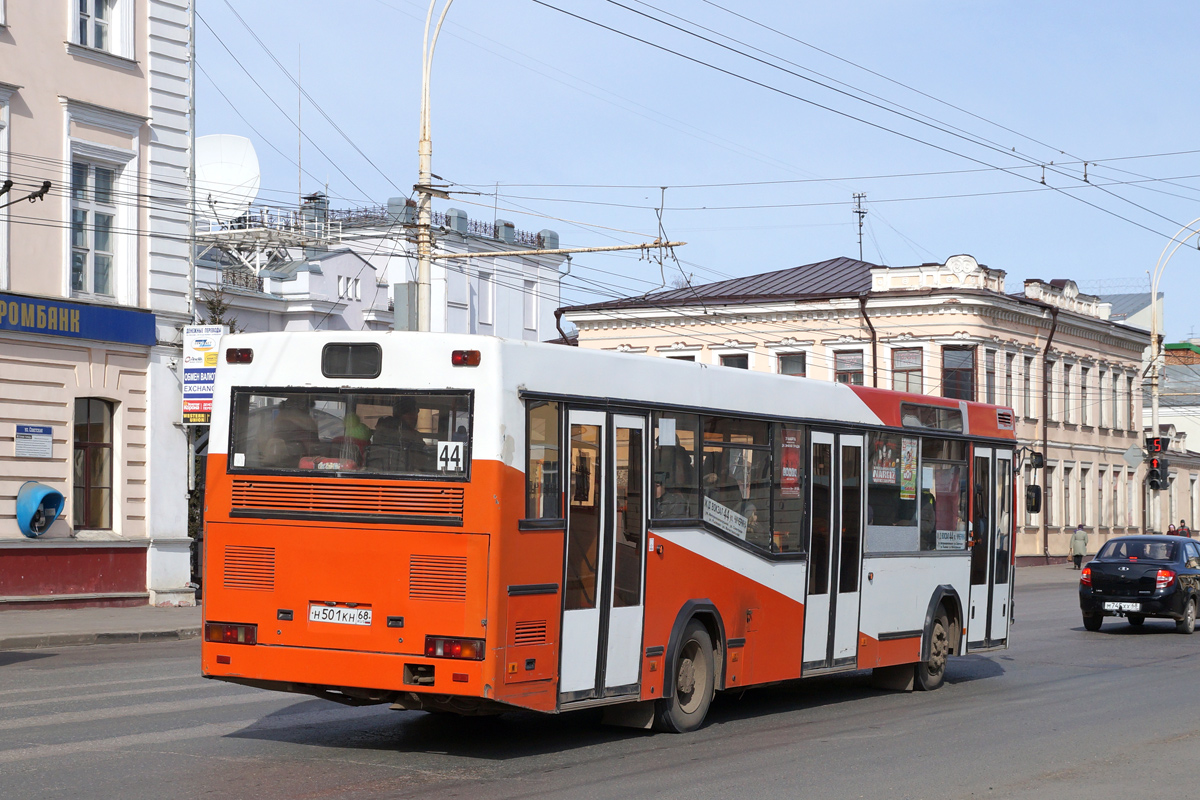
(908, 469)
(789, 478)
(884, 461)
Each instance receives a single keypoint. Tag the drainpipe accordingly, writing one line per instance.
(1045, 427)
(862, 309)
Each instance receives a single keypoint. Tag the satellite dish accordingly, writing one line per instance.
(227, 176)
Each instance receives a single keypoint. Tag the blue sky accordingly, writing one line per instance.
(581, 125)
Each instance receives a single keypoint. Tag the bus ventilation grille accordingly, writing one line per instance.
(380, 499)
(526, 633)
(1004, 419)
(437, 578)
(250, 568)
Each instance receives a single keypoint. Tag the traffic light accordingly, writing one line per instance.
(1157, 445)
(1156, 474)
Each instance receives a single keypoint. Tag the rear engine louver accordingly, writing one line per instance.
(527, 633)
(317, 498)
(250, 568)
(437, 578)
(1004, 419)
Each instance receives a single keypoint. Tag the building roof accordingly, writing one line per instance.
(1125, 306)
(835, 277)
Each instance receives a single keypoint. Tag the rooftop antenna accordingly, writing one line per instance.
(299, 134)
(861, 212)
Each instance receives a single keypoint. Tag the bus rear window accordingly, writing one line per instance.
(381, 433)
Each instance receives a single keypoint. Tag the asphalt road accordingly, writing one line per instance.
(1063, 713)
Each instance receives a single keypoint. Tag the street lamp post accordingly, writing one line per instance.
(1155, 349)
(424, 174)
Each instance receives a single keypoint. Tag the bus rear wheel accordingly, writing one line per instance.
(931, 672)
(695, 683)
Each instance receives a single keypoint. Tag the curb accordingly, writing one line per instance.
(38, 641)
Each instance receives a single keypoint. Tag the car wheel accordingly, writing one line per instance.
(1093, 621)
(931, 672)
(695, 683)
(1188, 623)
(1136, 620)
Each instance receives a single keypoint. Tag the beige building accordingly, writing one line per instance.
(1071, 375)
(94, 105)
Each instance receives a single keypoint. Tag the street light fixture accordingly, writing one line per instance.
(424, 172)
(1155, 348)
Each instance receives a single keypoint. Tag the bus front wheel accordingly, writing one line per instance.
(695, 674)
(931, 672)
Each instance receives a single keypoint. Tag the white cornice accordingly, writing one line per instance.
(101, 117)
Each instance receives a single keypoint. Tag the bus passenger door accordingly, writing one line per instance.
(991, 548)
(1002, 550)
(604, 573)
(627, 553)
(981, 546)
(581, 578)
(835, 552)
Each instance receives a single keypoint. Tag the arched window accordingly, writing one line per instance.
(92, 507)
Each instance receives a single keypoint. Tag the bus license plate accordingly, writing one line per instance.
(1112, 606)
(339, 615)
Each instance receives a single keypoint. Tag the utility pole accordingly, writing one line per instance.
(425, 175)
(860, 212)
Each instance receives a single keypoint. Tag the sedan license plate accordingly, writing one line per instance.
(1113, 606)
(339, 615)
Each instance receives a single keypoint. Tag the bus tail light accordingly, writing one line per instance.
(1085, 577)
(465, 358)
(239, 355)
(1164, 578)
(443, 647)
(228, 633)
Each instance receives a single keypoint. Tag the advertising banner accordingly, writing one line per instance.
(789, 479)
(908, 469)
(201, 348)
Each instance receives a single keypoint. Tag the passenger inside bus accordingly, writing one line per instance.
(397, 445)
(293, 433)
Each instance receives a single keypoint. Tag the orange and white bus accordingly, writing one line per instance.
(469, 524)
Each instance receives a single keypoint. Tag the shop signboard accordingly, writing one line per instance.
(201, 347)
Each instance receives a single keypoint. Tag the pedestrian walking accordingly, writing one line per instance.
(1079, 544)
(1171, 530)
(1183, 528)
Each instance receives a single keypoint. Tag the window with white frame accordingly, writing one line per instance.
(1008, 379)
(1129, 397)
(93, 213)
(1027, 388)
(485, 298)
(906, 370)
(1083, 395)
(794, 364)
(1068, 409)
(103, 25)
(530, 292)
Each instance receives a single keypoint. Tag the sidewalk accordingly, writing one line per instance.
(54, 627)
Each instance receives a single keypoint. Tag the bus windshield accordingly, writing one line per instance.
(386, 433)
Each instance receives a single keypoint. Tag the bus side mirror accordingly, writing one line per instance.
(38, 506)
(1036, 460)
(1033, 499)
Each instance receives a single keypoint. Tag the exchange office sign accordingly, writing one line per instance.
(201, 346)
(76, 320)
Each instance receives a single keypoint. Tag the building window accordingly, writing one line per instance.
(1027, 388)
(1129, 397)
(1048, 499)
(989, 375)
(1068, 411)
(1030, 480)
(736, 361)
(682, 358)
(958, 372)
(1008, 379)
(1068, 509)
(93, 210)
(848, 367)
(1083, 395)
(95, 23)
(485, 298)
(1114, 385)
(1085, 475)
(531, 305)
(93, 464)
(906, 370)
(792, 364)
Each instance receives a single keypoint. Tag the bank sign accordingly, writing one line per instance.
(76, 320)
(201, 348)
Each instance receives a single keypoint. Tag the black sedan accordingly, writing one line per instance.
(1142, 576)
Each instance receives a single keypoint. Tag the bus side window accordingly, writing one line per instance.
(788, 489)
(543, 460)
